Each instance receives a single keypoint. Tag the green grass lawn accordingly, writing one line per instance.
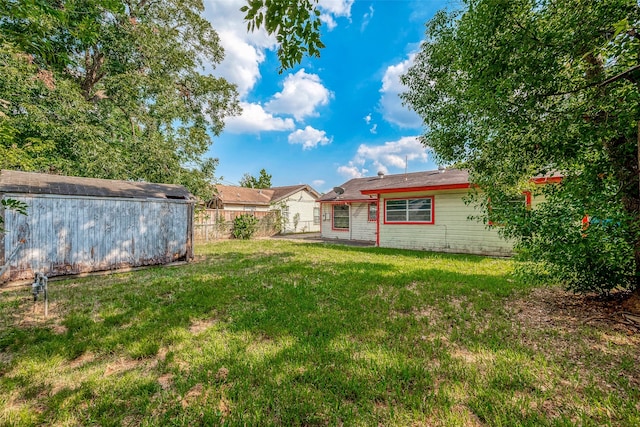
(290, 333)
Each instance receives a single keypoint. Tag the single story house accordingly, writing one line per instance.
(421, 210)
(296, 203)
(231, 201)
(76, 225)
(299, 207)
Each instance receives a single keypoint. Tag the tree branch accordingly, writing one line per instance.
(622, 75)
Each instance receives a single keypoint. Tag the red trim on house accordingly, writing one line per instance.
(433, 212)
(415, 189)
(527, 199)
(547, 180)
(378, 222)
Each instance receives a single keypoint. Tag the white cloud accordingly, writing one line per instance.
(337, 7)
(301, 94)
(309, 138)
(374, 129)
(244, 50)
(254, 120)
(390, 103)
(366, 18)
(351, 170)
(318, 182)
(392, 154)
(328, 21)
(334, 8)
(367, 118)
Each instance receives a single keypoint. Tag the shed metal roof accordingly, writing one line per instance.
(17, 182)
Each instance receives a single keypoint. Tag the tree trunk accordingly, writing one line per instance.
(636, 248)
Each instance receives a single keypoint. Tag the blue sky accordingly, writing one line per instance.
(331, 118)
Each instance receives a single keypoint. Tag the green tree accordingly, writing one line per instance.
(517, 88)
(295, 23)
(111, 89)
(262, 181)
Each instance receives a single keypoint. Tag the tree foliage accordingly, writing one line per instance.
(262, 181)
(295, 23)
(111, 89)
(14, 205)
(518, 88)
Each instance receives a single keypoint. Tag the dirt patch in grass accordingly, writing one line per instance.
(165, 381)
(554, 307)
(31, 315)
(122, 365)
(581, 331)
(192, 395)
(82, 360)
(201, 325)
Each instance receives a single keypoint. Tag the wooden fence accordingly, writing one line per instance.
(214, 224)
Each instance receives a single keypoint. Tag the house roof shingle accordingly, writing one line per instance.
(231, 194)
(280, 193)
(243, 195)
(388, 183)
(17, 182)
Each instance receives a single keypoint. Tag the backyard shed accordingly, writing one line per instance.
(76, 225)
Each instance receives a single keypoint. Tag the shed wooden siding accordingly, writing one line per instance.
(360, 228)
(301, 203)
(70, 234)
(452, 230)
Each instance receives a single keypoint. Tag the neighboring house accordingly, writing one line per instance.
(422, 210)
(299, 208)
(231, 201)
(297, 204)
(76, 225)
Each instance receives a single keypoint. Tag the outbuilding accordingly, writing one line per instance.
(77, 225)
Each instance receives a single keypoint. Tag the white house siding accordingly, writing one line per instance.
(301, 203)
(69, 234)
(360, 228)
(452, 230)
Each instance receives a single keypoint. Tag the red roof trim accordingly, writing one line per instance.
(423, 188)
(546, 180)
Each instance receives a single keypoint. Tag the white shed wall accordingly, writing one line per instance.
(69, 235)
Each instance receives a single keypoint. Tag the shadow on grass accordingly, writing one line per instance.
(308, 335)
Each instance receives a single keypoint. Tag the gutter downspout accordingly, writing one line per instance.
(350, 222)
(378, 222)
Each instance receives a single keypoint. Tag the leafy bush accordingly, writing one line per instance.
(244, 226)
(558, 244)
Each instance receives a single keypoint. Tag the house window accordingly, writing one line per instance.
(373, 211)
(341, 217)
(316, 215)
(418, 210)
